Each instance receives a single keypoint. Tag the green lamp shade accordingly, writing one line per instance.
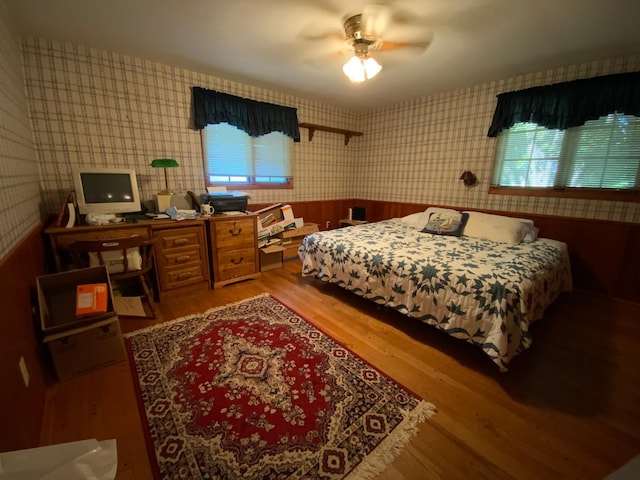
(164, 163)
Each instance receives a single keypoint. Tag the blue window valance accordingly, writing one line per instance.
(568, 104)
(253, 117)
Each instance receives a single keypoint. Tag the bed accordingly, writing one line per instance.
(483, 291)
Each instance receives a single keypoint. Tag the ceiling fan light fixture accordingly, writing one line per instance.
(359, 69)
(371, 67)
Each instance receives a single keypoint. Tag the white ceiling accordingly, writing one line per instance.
(271, 43)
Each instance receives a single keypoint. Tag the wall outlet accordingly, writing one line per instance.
(328, 225)
(22, 365)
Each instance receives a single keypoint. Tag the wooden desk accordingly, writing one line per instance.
(181, 255)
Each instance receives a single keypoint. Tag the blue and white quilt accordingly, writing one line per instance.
(484, 292)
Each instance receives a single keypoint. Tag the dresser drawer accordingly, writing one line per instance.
(234, 249)
(173, 277)
(235, 233)
(178, 238)
(63, 240)
(183, 257)
(236, 263)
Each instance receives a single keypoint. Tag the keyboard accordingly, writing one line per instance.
(135, 217)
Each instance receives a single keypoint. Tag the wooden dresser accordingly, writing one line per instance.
(234, 248)
(181, 256)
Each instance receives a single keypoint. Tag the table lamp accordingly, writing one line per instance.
(164, 163)
(164, 197)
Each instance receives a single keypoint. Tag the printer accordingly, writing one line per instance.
(225, 202)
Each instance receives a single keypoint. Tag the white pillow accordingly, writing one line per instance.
(416, 220)
(420, 219)
(495, 227)
(446, 211)
(531, 231)
(114, 260)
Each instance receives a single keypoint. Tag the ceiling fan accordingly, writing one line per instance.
(366, 32)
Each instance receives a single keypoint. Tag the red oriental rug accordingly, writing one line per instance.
(253, 391)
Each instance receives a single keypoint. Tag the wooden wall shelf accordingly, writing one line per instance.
(347, 133)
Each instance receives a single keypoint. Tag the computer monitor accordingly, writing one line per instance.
(106, 190)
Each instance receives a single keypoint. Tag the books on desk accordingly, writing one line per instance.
(91, 299)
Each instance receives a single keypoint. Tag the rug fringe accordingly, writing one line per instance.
(181, 319)
(384, 454)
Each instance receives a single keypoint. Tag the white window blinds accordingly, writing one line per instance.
(231, 155)
(602, 154)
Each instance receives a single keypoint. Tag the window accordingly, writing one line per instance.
(602, 154)
(232, 157)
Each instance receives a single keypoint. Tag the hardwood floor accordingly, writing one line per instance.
(568, 408)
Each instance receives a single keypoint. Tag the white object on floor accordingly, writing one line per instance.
(129, 306)
(85, 459)
(629, 471)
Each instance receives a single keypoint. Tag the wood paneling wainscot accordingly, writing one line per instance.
(605, 255)
(21, 407)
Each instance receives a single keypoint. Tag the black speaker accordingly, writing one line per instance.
(358, 213)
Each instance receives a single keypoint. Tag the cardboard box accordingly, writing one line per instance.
(291, 251)
(264, 234)
(272, 213)
(57, 298)
(84, 349)
(287, 212)
(273, 220)
(291, 239)
(306, 229)
(77, 345)
(271, 257)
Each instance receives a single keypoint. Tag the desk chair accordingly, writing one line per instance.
(125, 257)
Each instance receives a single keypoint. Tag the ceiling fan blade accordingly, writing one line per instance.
(453, 15)
(375, 19)
(330, 7)
(389, 46)
(314, 36)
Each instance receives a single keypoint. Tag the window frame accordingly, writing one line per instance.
(252, 184)
(561, 191)
(569, 192)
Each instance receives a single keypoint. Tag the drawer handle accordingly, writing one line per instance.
(237, 262)
(235, 232)
(183, 258)
(180, 241)
(184, 275)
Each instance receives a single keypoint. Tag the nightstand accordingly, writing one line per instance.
(345, 222)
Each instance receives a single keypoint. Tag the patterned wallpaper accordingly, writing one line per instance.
(92, 107)
(415, 151)
(19, 187)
